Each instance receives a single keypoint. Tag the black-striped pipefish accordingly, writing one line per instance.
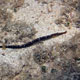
(43, 38)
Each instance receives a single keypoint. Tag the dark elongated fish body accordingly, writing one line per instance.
(43, 38)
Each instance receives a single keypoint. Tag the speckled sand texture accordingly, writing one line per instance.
(19, 64)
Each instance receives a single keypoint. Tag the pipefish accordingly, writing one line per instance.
(43, 38)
